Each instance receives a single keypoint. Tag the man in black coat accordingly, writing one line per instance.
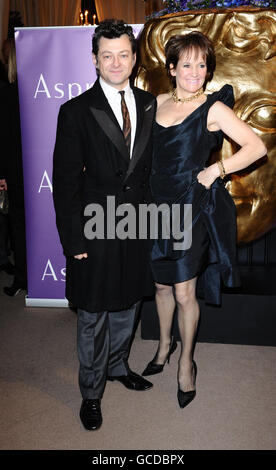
(102, 159)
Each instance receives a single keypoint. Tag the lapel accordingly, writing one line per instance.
(105, 117)
(145, 113)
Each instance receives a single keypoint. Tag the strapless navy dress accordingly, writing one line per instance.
(181, 151)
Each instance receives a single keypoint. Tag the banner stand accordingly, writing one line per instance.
(63, 303)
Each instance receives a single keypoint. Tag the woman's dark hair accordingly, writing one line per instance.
(112, 29)
(180, 43)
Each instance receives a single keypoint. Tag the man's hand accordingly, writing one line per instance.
(3, 185)
(83, 255)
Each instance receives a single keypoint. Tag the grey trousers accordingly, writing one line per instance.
(103, 341)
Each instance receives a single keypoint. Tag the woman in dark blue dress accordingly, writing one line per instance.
(189, 126)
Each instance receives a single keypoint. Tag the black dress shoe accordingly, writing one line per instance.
(153, 368)
(132, 381)
(90, 414)
(184, 398)
(14, 289)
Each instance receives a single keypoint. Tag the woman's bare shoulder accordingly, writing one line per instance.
(162, 98)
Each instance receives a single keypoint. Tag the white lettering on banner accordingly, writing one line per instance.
(71, 85)
(63, 272)
(73, 89)
(44, 89)
(46, 178)
(60, 90)
(49, 271)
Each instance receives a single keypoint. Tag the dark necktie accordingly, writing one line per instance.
(126, 121)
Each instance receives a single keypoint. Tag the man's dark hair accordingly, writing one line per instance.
(195, 40)
(112, 29)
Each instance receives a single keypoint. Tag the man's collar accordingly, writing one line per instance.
(110, 90)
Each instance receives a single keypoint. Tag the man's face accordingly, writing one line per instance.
(115, 60)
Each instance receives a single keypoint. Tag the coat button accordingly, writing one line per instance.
(142, 185)
(119, 173)
(145, 168)
(126, 188)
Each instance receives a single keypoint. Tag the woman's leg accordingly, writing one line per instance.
(188, 317)
(165, 304)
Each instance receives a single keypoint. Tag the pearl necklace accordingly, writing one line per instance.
(185, 100)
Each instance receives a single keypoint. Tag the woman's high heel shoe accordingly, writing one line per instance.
(153, 368)
(184, 398)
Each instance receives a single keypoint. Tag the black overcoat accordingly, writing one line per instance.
(90, 163)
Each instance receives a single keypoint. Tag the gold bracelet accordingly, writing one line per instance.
(221, 169)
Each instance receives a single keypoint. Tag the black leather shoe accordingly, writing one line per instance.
(14, 289)
(184, 398)
(90, 414)
(132, 381)
(153, 368)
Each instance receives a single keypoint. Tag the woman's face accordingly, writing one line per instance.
(190, 72)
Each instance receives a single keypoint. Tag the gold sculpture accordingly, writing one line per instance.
(245, 45)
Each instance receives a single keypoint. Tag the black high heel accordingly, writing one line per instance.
(153, 368)
(184, 398)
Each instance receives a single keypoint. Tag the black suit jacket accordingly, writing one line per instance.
(90, 163)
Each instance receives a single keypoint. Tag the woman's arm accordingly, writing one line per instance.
(223, 118)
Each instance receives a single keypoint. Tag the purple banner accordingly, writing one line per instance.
(53, 65)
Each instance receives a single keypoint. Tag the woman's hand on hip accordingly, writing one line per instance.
(207, 176)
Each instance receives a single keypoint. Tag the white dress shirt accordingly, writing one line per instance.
(114, 99)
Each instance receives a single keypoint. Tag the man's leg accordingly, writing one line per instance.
(93, 350)
(121, 329)
(121, 325)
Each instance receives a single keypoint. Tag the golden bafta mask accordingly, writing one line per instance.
(245, 46)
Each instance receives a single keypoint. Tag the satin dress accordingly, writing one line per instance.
(181, 151)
